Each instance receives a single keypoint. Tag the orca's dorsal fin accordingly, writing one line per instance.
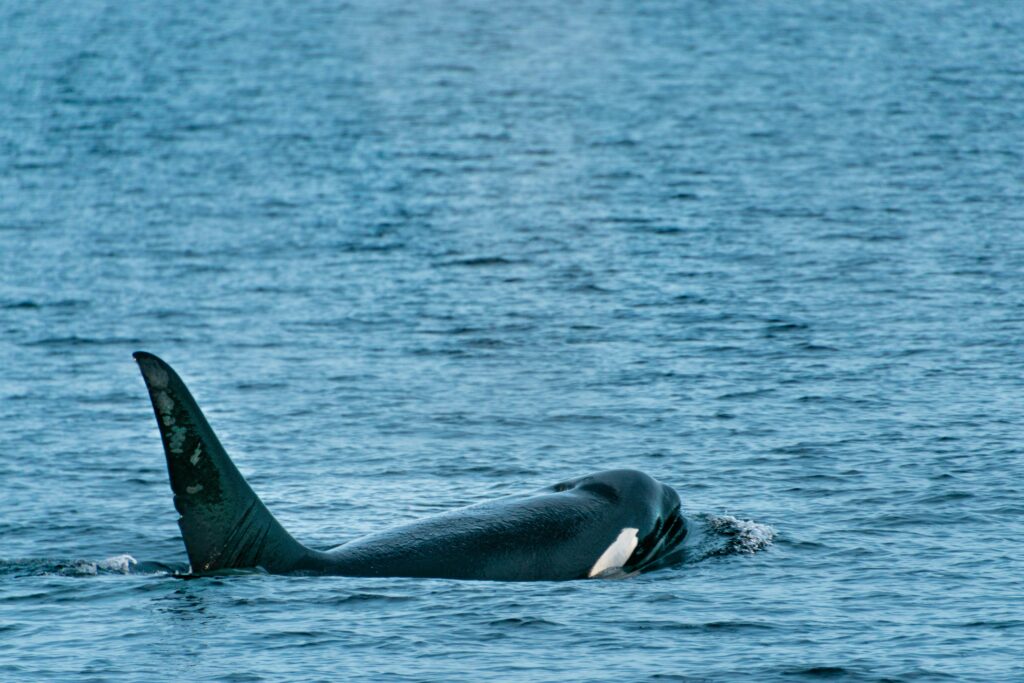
(223, 522)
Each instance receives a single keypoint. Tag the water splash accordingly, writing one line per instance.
(118, 564)
(743, 535)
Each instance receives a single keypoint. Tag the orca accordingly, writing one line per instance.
(609, 524)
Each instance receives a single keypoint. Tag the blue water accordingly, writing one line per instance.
(411, 256)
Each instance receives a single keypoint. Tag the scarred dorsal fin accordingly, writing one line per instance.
(223, 522)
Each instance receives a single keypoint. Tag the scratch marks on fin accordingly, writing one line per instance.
(156, 375)
(177, 439)
(164, 403)
(244, 546)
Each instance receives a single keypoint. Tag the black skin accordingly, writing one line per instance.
(555, 533)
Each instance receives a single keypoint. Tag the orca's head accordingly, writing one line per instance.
(653, 525)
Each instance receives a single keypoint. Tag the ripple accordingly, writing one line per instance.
(770, 254)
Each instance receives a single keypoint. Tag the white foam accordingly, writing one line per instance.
(85, 568)
(617, 553)
(118, 563)
(747, 535)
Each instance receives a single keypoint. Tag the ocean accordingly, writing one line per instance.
(412, 256)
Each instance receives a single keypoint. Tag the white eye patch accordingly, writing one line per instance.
(617, 553)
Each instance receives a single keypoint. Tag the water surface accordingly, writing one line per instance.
(414, 256)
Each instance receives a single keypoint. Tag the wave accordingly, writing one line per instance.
(742, 535)
(708, 536)
(117, 564)
(714, 536)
